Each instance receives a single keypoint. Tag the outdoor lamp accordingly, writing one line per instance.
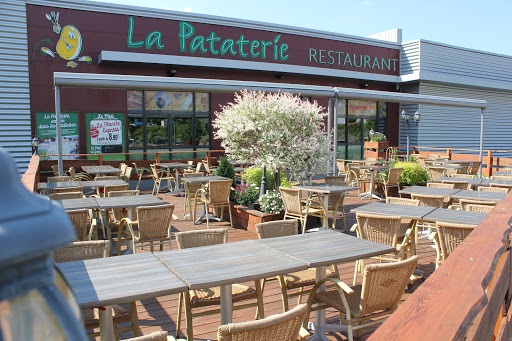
(417, 116)
(35, 301)
(404, 115)
(35, 144)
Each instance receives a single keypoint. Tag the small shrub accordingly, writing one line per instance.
(271, 202)
(245, 195)
(412, 173)
(225, 169)
(254, 175)
(377, 137)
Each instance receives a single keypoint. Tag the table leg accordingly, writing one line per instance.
(319, 325)
(129, 215)
(226, 304)
(106, 324)
(326, 206)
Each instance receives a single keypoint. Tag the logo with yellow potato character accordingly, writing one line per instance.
(69, 47)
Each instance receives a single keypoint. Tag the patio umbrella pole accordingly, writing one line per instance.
(59, 132)
(263, 187)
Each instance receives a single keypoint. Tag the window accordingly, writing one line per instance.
(168, 121)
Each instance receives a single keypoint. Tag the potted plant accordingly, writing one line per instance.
(377, 146)
(246, 195)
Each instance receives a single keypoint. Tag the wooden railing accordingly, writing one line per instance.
(468, 297)
(31, 176)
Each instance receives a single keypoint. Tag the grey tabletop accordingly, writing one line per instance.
(458, 161)
(129, 201)
(77, 204)
(455, 216)
(325, 247)
(448, 166)
(222, 264)
(171, 165)
(477, 195)
(404, 211)
(474, 181)
(428, 190)
(102, 169)
(326, 188)
(59, 184)
(202, 179)
(487, 182)
(371, 167)
(502, 173)
(105, 281)
(102, 183)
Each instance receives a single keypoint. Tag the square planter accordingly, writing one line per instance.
(375, 149)
(248, 218)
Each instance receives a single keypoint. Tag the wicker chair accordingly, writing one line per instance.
(59, 178)
(154, 227)
(391, 181)
(115, 215)
(436, 173)
(465, 167)
(209, 169)
(211, 296)
(55, 170)
(385, 230)
(286, 326)
(391, 153)
(155, 336)
(463, 176)
(494, 189)
(190, 195)
(143, 173)
(364, 305)
(336, 200)
(357, 176)
(216, 195)
(458, 184)
(294, 280)
(342, 169)
(448, 237)
(507, 186)
(160, 175)
(475, 167)
(107, 177)
(91, 250)
(405, 224)
(465, 202)
(82, 176)
(80, 220)
(429, 200)
(479, 208)
(127, 175)
(439, 185)
(296, 209)
(115, 188)
(66, 195)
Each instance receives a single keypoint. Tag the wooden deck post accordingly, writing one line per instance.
(489, 163)
(100, 159)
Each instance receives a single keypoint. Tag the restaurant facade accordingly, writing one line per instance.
(43, 37)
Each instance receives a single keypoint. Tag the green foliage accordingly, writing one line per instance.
(225, 169)
(246, 194)
(254, 175)
(271, 202)
(377, 137)
(412, 174)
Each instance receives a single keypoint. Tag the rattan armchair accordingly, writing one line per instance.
(366, 304)
(475, 167)
(84, 225)
(479, 208)
(160, 175)
(143, 173)
(463, 176)
(356, 175)
(90, 250)
(58, 178)
(295, 280)
(65, 195)
(405, 224)
(336, 200)
(458, 184)
(191, 189)
(429, 200)
(286, 326)
(154, 227)
(447, 237)
(216, 195)
(342, 169)
(391, 181)
(296, 209)
(465, 202)
(115, 215)
(211, 297)
(115, 188)
(494, 189)
(436, 173)
(82, 176)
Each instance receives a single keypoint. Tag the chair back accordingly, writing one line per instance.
(336, 196)
(402, 201)
(463, 176)
(394, 176)
(191, 188)
(496, 177)
(204, 237)
(384, 285)
(439, 185)
(292, 200)
(465, 167)
(122, 167)
(479, 208)
(72, 173)
(190, 174)
(206, 166)
(218, 191)
(82, 250)
(68, 190)
(475, 166)
(493, 189)
(429, 200)
(79, 219)
(59, 178)
(55, 170)
(126, 176)
(154, 221)
(106, 177)
(108, 189)
(120, 213)
(391, 153)
(282, 327)
(378, 228)
(457, 184)
(436, 173)
(341, 166)
(277, 228)
(66, 195)
(336, 180)
(465, 202)
(421, 161)
(451, 235)
(154, 172)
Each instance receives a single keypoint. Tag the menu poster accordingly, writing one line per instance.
(105, 135)
(46, 131)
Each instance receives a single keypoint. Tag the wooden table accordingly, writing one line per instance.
(372, 169)
(477, 195)
(455, 216)
(323, 248)
(102, 169)
(225, 264)
(108, 281)
(325, 190)
(176, 166)
(446, 192)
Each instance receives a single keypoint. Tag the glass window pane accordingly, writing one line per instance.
(135, 132)
(341, 129)
(369, 124)
(354, 130)
(157, 132)
(164, 156)
(168, 100)
(354, 152)
(136, 155)
(202, 131)
(383, 109)
(202, 102)
(182, 131)
(183, 156)
(134, 99)
(362, 108)
(342, 107)
(341, 152)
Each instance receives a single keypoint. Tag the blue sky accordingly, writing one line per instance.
(480, 25)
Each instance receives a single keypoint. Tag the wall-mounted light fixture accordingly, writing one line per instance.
(364, 85)
(35, 145)
(280, 76)
(417, 116)
(172, 72)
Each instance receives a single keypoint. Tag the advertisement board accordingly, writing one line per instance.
(46, 131)
(105, 135)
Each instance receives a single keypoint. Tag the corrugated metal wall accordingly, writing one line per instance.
(408, 129)
(410, 57)
(15, 134)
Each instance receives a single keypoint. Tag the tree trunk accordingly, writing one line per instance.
(277, 179)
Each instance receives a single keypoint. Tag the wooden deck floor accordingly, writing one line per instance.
(160, 313)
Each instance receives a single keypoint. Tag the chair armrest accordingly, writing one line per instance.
(353, 228)
(94, 225)
(303, 333)
(432, 236)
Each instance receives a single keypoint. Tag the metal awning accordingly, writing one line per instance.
(112, 81)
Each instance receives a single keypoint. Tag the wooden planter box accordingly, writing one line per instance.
(248, 218)
(375, 149)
